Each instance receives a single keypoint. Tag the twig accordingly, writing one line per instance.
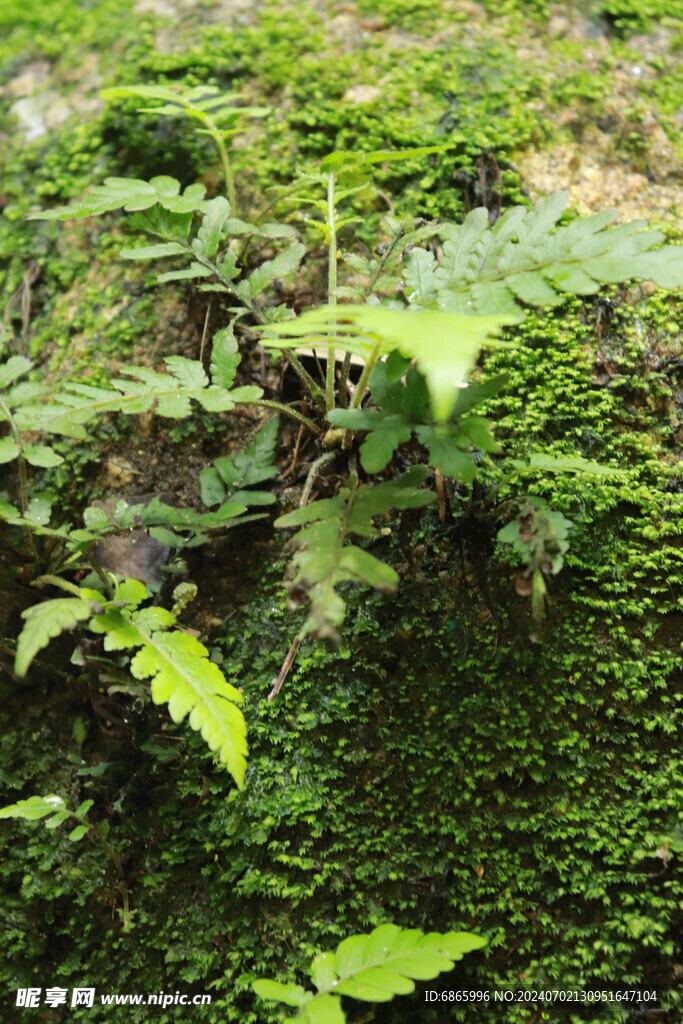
(292, 464)
(286, 666)
(206, 327)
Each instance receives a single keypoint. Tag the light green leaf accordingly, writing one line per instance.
(41, 455)
(34, 808)
(185, 679)
(211, 228)
(292, 995)
(542, 462)
(444, 345)
(154, 252)
(14, 367)
(344, 160)
(322, 971)
(324, 1009)
(9, 449)
(78, 833)
(225, 358)
(131, 194)
(284, 264)
(193, 271)
(188, 372)
(419, 279)
(45, 621)
(58, 819)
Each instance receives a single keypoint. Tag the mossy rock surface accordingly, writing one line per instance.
(441, 769)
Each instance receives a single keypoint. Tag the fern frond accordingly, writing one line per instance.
(181, 673)
(37, 807)
(50, 618)
(13, 400)
(324, 558)
(445, 346)
(404, 408)
(170, 393)
(373, 968)
(200, 102)
(131, 194)
(525, 259)
(232, 474)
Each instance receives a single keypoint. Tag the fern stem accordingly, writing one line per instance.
(23, 476)
(227, 171)
(343, 382)
(48, 580)
(365, 377)
(331, 289)
(346, 366)
(304, 375)
(312, 474)
(288, 411)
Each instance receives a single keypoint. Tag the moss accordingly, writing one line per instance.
(441, 770)
(630, 16)
(60, 31)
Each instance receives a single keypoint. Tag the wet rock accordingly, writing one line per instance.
(135, 554)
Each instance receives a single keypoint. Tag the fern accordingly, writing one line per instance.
(484, 276)
(171, 394)
(539, 537)
(175, 527)
(404, 408)
(14, 396)
(232, 474)
(163, 213)
(131, 194)
(444, 346)
(200, 102)
(53, 808)
(324, 558)
(488, 271)
(373, 968)
(178, 665)
(215, 111)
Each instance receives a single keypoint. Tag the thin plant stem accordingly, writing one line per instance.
(331, 289)
(365, 376)
(286, 666)
(312, 473)
(227, 171)
(23, 476)
(288, 411)
(346, 366)
(303, 374)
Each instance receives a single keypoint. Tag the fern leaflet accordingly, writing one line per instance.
(178, 665)
(324, 558)
(444, 346)
(373, 968)
(170, 393)
(232, 474)
(489, 270)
